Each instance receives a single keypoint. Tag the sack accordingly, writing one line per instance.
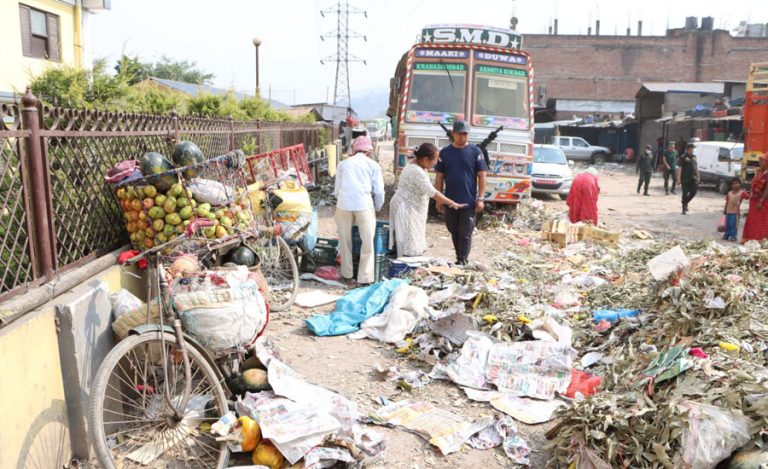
(121, 171)
(721, 224)
(228, 317)
(124, 302)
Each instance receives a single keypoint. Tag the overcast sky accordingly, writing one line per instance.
(218, 35)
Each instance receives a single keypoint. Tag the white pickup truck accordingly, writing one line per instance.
(578, 149)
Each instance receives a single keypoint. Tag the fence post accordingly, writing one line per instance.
(175, 132)
(38, 188)
(231, 134)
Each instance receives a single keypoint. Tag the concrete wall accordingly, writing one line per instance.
(48, 359)
(613, 67)
(16, 70)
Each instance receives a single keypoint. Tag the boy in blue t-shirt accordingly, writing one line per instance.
(461, 168)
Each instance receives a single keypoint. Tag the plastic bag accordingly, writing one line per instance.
(713, 433)
(582, 383)
(327, 272)
(212, 192)
(721, 224)
(124, 302)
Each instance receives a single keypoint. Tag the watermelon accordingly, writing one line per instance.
(154, 163)
(242, 256)
(187, 154)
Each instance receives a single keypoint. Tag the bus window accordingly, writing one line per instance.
(501, 98)
(436, 96)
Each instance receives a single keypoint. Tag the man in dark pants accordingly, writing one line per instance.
(688, 176)
(461, 168)
(645, 169)
(669, 160)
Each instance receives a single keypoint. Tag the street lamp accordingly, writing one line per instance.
(257, 43)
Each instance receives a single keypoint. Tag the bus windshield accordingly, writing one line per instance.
(437, 95)
(501, 98)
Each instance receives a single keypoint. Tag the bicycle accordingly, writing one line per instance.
(157, 392)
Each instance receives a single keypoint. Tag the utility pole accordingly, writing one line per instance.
(341, 93)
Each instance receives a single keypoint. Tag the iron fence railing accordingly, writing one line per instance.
(56, 211)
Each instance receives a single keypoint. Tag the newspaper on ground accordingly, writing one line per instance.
(469, 368)
(667, 263)
(315, 298)
(532, 368)
(455, 327)
(523, 409)
(441, 428)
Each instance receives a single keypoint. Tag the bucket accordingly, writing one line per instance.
(399, 268)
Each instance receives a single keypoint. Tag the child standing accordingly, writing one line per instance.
(732, 209)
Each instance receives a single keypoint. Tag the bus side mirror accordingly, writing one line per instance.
(394, 83)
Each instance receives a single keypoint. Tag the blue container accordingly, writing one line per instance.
(613, 315)
(398, 268)
(380, 239)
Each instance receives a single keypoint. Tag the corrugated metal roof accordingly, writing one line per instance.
(664, 87)
(193, 89)
(594, 105)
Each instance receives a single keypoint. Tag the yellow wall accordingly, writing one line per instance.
(34, 430)
(15, 69)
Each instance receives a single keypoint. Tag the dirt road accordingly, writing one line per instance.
(346, 365)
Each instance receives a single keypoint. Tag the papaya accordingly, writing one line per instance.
(256, 380)
(749, 460)
(187, 153)
(252, 362)
(267, 455)
(251, 433)
(152, 166)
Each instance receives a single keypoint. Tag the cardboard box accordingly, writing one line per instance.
(609, 238)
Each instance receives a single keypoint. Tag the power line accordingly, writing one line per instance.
(341, 93)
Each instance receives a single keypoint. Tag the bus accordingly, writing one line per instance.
(755, 119)
(473, 73)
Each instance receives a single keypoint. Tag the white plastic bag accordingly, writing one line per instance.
(713, 433)
(124, 302)
(212, 192)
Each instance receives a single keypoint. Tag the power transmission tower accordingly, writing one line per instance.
(341, 94)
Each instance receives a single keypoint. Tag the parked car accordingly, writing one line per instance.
(551, 172)
(578, 149)
(719, 163)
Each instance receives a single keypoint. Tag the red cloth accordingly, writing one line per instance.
(582, 199)
(123, 258)
(756, 226)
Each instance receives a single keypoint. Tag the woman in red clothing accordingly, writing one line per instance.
(582, 199)
(756, 226)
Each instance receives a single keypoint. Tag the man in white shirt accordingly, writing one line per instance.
(359, 191)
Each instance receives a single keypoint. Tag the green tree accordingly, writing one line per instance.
(132, 70)
(78, 88)
(180, 70)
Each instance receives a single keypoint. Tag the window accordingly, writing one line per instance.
(548, 155)
(39, 34)
(501, 97)
(437, 94)
(577, 142)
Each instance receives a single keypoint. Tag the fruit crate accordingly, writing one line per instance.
(325, 253)
(158, 207)
(380, 266)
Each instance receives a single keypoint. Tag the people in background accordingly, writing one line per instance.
(410, 204)
(359, 190)
(582, 199)
(644, 168)
(461, 168)
(732, 209)
(669, 163)
(688, 176)
(756, 226)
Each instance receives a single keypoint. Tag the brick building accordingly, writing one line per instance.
(613, 68)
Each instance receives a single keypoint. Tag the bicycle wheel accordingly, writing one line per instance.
(131, 422)
(280, 271)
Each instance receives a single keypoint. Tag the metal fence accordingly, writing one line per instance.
(56, 211)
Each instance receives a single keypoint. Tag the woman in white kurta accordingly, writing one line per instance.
(408, 208)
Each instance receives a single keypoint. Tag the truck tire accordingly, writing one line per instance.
(723, 186)
(599, 158)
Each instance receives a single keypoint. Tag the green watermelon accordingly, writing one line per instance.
(187, 154)
(155, 163)
(242, 256)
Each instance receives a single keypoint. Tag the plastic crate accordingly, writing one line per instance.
(325, 253)
(380, 238)
(380, 267)
(398, 268)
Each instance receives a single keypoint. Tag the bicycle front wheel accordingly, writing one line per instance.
(131, 421)
(280, 271)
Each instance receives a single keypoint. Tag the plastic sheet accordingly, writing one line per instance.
(713, 433)
(406, 307)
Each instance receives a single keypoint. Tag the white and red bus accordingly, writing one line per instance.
(472, 73)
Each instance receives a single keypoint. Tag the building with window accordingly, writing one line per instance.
(36, 34)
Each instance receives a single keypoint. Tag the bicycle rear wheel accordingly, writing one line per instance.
(131, 422)
(279, 269)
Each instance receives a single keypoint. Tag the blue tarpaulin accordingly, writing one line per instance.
(354, 308)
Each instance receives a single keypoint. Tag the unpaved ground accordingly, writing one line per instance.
(345, 365)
